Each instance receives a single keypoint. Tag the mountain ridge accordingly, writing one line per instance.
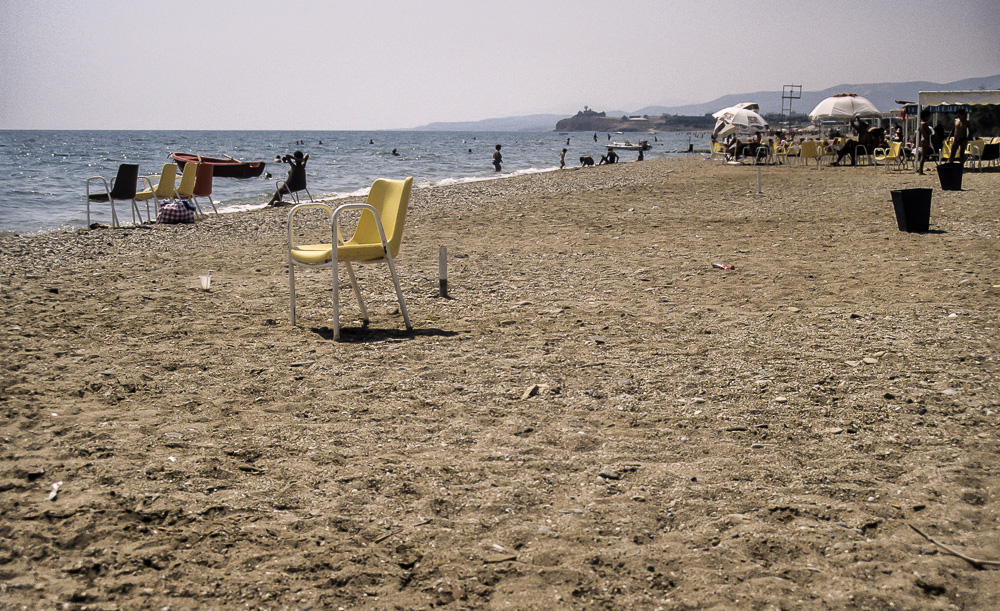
(883, 95)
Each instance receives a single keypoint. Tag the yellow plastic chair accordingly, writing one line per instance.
(778, 151)
(377, 236)
(811, 150)
(892, 157)
(165, 188)
(945, 151)
(186, 187)
(974, 153)
(718, 151)
(185, 190)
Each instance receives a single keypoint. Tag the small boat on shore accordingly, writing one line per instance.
(643, 145)
(223, 168)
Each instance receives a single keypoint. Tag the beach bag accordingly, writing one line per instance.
(176, 211)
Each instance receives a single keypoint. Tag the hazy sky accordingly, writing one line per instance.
(370, 64)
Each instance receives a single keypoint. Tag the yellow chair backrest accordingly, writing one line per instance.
(978, 143)
(186, 188)
(165, 189)
(391, 198)
(811, 149)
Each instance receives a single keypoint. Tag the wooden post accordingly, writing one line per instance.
(443, 271)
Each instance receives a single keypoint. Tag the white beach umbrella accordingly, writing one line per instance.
(843, 107)
(747, 105)
(741, 117)
(723, 130)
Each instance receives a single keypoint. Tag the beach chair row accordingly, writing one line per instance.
(195, 181)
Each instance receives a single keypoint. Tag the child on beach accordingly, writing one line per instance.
(497, 158)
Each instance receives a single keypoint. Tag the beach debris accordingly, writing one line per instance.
(609, 474)
(723, 266)
(302, 363)
(534, 389)
(206, 281)
(975, 562)
(756, 446)
(55, 491)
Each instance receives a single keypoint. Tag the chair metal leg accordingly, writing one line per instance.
(399, 291)
(336, 300)
(357, 292)
(291, 289)
(136, 211)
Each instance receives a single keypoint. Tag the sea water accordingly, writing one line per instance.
(43, 173)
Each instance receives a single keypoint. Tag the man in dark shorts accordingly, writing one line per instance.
(497, 158)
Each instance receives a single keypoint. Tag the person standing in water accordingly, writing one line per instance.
(497, 158)
(562, 159)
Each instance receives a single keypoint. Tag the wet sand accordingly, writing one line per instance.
(595, 418)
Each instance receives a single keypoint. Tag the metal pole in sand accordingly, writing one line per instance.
(443, 271)
(758, 181)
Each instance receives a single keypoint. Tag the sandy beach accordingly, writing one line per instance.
(595, 418)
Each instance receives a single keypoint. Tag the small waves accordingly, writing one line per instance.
(44, 172)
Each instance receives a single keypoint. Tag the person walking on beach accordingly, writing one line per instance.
(497, 158)
(296, 180)
(960, 136)
(562, 159)
(924, 136)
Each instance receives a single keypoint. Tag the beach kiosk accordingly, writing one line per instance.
(951, 102)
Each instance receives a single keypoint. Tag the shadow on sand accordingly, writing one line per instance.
(358, 335)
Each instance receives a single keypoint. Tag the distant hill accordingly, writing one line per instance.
(883, 95)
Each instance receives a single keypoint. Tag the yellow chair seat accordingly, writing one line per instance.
(318, 254)
(360, 252)
(312, 254)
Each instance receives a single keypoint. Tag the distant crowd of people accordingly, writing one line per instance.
(925, 144)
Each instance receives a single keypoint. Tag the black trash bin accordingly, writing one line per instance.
(913, 209)
(951, 176)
